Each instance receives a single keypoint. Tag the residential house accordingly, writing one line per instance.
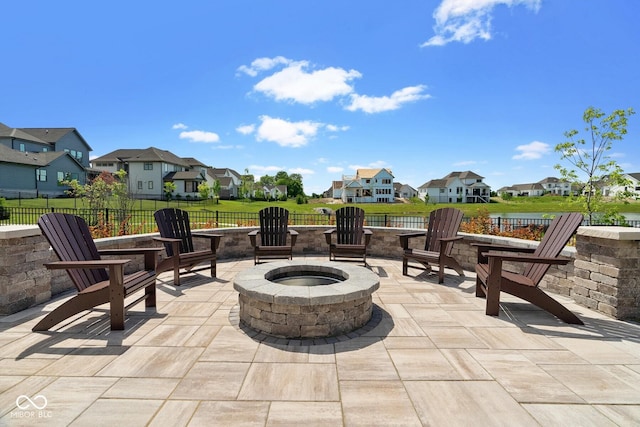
(149, 169)
(367, 186)
(35, 161)
(549, 185)
(230, 181)
(633, 186)
(456, 187)
(557, 186)
(269, 192)
(404, 191)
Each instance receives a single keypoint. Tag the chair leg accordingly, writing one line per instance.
(405, 266)
(213, 268)
(77, 304)
(116, 297)
(539, 298)
(480, 293)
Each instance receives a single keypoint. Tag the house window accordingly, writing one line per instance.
(45, 149)
(148, 166)
(150, 184)
(41, 174)
(22, 148)
(139, 185)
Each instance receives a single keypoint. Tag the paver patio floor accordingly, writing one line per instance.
(430, 356)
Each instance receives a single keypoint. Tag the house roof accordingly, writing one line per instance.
(151, 154)
(435, 183)
(191, 161)
(183, 176)
(40, 135)
(464, 175)
(370, 173)
(9, 155)
(220, 172)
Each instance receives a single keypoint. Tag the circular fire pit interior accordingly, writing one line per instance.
(303, 299)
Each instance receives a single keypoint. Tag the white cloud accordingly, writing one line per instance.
(467, 20)
(335, 169)
(370, 104)
(378, 164)
(532, 151)
(200, 136)
(246, 129)
(302, 171)
(265, 170)
(263, 64)
(334, 128)
(227, 147)
(285, 133)
(295, 83)
(465, 163)
(179, 126)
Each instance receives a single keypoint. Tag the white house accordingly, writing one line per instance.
(457, 187)
(632, 187)
(549, 185)
(366, 186)
(148, 169)
(230, 181)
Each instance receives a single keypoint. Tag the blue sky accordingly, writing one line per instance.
(321, 88)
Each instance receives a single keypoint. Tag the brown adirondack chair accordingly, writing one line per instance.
(352, 238)
(440, 236)
(175, 232)
(97, 280)
(274, 235)
(492, 279)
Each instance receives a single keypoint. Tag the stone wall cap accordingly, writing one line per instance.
(610, 232)
(17, 231)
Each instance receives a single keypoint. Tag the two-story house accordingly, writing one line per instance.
(632, 187)
(230, 181)
(366, 186)
(549, 185)
(35, 161)
(148, 170)
(456, 187)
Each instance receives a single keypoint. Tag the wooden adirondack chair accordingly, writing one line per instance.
(97, 280)
(274, 232)
(440, 236)
(175, 233)
(352, 238)
(492, 279)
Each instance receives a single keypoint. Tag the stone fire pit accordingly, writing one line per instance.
(311, 310)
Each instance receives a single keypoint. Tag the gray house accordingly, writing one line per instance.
(35, 161)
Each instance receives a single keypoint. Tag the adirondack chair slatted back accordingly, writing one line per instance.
(273, 226)
(71, 240)
(174, 223)
(555, 239)
(349, 226)
(443, 223)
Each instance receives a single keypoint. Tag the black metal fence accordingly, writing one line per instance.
(142, 221)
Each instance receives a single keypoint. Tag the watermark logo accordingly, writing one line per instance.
(25, 402)
(31, 407)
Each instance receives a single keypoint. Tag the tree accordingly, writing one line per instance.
(215, 189)
(592, 168)
(169, 188)
(247, 184)
(204, 191)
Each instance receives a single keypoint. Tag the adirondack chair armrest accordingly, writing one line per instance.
(252, 237)
(150, 254)
(293, 234)
(505, 256)
(404, 238)
(90, 264)
(328, 234)
(486, 247)
(367, 236)
(175, 243)
(214, 238)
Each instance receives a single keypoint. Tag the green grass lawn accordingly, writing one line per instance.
(516, 205)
